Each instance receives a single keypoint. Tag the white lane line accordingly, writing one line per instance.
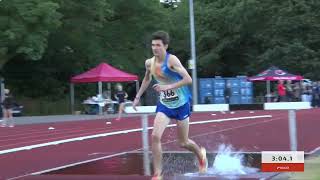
(70, 165)
(315, 150)
(47, 133)
(139, 150)
(122, 153)
(227, 129)
(104, 130)
(231, 119)
(43, 130)
(133, 151)
(119, 132)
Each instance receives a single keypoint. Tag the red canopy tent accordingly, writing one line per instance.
(101, 73)
(104, 73)
(274, 74)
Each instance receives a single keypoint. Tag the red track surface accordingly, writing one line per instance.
(251, 135)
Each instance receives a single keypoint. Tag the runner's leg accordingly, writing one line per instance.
(185, 142)
(160, 123)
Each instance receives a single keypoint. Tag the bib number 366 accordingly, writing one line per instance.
(169, 95)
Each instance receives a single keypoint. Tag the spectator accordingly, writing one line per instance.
(121, 96)
(7, 105)
(318, 87)
(289, 91)
(306, 93)
(281, 91)
(297, 92)
(227, 92)
(315, 95)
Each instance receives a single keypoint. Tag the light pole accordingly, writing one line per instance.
(192, 62)
(193, 55)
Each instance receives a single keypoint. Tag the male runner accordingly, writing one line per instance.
(174, 100)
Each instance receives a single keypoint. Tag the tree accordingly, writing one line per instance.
(70, 49)
(246, 36)
(25, 26)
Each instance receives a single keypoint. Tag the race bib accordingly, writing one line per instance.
(169, 95)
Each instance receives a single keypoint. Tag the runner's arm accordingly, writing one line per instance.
(146, 80)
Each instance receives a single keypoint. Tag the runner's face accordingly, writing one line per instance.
(158, 48)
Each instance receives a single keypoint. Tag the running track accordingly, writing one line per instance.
(249, 135)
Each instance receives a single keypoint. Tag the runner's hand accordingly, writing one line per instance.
(160, 88)
(135, 103)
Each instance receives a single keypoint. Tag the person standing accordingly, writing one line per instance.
(7, 106)
(289, 91)
(315, 95)
(121, 97)
(174, 100)
(281, 91)
(297, 92)
(227, 92)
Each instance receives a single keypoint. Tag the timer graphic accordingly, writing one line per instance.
(282, 161)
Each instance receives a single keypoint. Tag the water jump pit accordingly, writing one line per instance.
(176, 165)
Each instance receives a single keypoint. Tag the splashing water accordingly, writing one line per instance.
(225, 163)
(228, 163)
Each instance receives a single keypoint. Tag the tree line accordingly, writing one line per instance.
(45, 42)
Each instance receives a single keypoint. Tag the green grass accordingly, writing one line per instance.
(311, 171)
